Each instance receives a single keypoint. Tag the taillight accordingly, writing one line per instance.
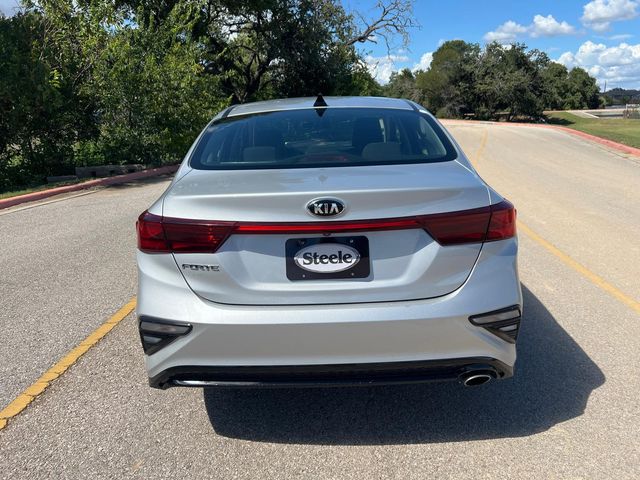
(455, 228)
(487, 224)
(503, 221)
(151, 234)
(163, 235)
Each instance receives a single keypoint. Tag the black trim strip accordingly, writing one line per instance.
(473, 318)
(412, 105)
(331, 375)
(226, 113)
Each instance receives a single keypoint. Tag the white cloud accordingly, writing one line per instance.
(619, 66)
(381, 68)
(425, 61)
(598, 14)
(622, 36)
(549, 27)
(541, 26)
(506, 33)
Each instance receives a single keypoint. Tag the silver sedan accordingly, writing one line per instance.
(327, 241)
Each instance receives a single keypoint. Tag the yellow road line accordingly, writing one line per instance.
(566, 259)
(581, 269)
(29, 394)
(23, 400)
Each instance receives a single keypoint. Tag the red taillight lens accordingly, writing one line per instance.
(192, 236)
(163, 235)
(503, 221)
(151, 237)
(329, 227)
(487, 224)
(467, 226)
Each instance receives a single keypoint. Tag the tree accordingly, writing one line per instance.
(555, 77)
(448, 83)
(98, 81)
(264, 48)
(494, 82)
(583, 91)
(402, 84)
(43, 110)
(153, 94)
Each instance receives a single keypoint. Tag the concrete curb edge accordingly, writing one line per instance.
(31, 197)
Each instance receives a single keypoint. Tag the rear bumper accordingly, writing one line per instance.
(329, 375)
(386, 342)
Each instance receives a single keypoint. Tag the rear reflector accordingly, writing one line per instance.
(156, 333)
(165, 235)
(504, 323)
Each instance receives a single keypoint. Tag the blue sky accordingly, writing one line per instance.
(602, 36)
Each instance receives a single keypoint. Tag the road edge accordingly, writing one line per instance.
(621, 147)
(32, 197)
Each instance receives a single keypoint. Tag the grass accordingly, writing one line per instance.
(616, 129)
(38, 188)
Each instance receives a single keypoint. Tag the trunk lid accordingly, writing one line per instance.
(402, 264)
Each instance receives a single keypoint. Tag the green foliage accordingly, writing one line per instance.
(402, 84)
(493, 82)
(86, 82)
(41, 110)
(153, 95)
(583, 90)
(448, 83)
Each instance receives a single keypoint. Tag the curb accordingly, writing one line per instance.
(31, 197)
(603, 141)
(587, 136)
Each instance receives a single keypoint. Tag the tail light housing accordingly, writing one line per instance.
(158, 234)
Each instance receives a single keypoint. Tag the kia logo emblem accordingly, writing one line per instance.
(325, 207)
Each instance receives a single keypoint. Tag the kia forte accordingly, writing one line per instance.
(327, 241)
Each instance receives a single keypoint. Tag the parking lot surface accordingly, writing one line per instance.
(571, 411)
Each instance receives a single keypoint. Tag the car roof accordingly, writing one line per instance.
(307, 102)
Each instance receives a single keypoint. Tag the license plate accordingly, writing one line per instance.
(325, 258)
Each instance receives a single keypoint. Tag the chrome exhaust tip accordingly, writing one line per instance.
(474, 377)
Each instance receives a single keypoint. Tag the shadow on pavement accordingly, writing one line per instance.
(553, 381)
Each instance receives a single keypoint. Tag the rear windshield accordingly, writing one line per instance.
(322, 138)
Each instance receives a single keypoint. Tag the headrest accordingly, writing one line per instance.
(381, 151)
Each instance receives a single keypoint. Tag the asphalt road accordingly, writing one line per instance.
(66, 266)
(572, 411)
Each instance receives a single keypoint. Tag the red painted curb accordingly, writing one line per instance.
(609, 143)
(31, 197)
(603, 141)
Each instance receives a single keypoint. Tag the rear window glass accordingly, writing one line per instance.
(322, 138)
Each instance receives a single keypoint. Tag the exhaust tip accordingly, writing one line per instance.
(477, 380)
(474, 377)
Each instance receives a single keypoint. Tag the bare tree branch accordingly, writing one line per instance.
(395, 19)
